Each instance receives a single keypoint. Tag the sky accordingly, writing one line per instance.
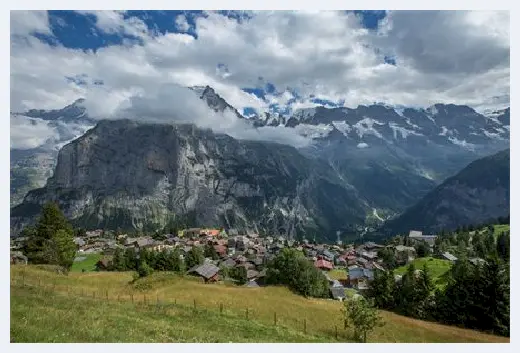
(139, 63)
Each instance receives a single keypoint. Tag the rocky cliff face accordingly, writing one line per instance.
(134, 175)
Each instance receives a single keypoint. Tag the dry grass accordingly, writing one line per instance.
(322, 316)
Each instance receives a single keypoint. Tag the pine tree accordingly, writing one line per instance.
(118, 260)
(210, 252)
(503, 246)
(194, 257)
(51, 241)
(239, 274)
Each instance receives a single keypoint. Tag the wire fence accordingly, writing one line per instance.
(162, 304)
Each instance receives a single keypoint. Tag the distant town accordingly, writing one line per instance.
(253, 253)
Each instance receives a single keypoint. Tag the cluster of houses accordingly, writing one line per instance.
(253, 252)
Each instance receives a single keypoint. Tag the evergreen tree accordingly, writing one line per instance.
(424, 294)
(239, 274)
(503, 246)
(144, 269)
(161, 261)
(382, 289)
(194, 257)
(422, 249)
(130, 258)
(406, 298)
(118, 260)
(362, 316)
(210, 252)
(51, 241)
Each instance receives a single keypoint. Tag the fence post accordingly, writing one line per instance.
(275, 318)
(194, 304)
(107, 293)
(144, 299)
(132, 297)
(175, 301)
(305, 326)
(247, 313)
(336, 329)
(221, 308)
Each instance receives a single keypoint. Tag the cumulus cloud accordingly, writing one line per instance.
(456, 57)
(170, 103)
(27, 133)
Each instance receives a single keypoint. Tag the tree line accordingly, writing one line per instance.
(476, 296)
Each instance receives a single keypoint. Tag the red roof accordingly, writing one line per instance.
(323, 264)
(221, 249)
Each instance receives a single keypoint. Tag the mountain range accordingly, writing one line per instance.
(374, 163)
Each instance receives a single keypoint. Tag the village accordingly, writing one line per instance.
(355, 264)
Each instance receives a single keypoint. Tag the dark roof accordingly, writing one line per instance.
(449, 256)
(206, 270)
(337, 292)
(356, 273)
(252, 274)
(228, 263)
(252, 284)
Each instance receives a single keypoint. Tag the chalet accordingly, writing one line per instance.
(416, 236)
(94, 234)
(341, 261)
(207, 271)
(104, 263)
(229, 262)
(191, 232)
(361, 261)
(79, 242)
(209, 232)
(232, 232)
(221, 250)
(252, 274)
(373, 246)
(327, 255)
(357, 275)
(369, 255)
(323, 265)
(252, 284)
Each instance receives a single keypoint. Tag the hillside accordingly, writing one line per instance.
(478, 193)
(97, 307)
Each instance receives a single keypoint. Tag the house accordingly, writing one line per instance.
(362, 261)
(94, 233)
(371, 245)
(252, 274)
(207, 271)
(327, 255)
(229, 262)
(252, 284)
(17, 258)
(341, 261)
(104, 264)
(337, 293)
(210, 232)
(191, 232)
(323, 265)
(449, 257)
(416, 235)
(79, 242)
(357, 275)
(369, 255)
(221, 250)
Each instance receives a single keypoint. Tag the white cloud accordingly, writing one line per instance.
(447, 57)
(181, 23)
(24, 23)
(27, 133)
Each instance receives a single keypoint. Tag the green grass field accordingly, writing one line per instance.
(88, 264)
(437, 267)
(338, 273)
(499, 228)
(108, 307)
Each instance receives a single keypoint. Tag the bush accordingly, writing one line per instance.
(144, 270)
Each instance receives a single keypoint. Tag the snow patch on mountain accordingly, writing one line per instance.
(366, 127)
(362, 145)
(313, 131)
(403, 131)
(462, 143)
(342, 127)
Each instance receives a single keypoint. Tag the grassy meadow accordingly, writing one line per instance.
(88, 264)
(109, 307)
